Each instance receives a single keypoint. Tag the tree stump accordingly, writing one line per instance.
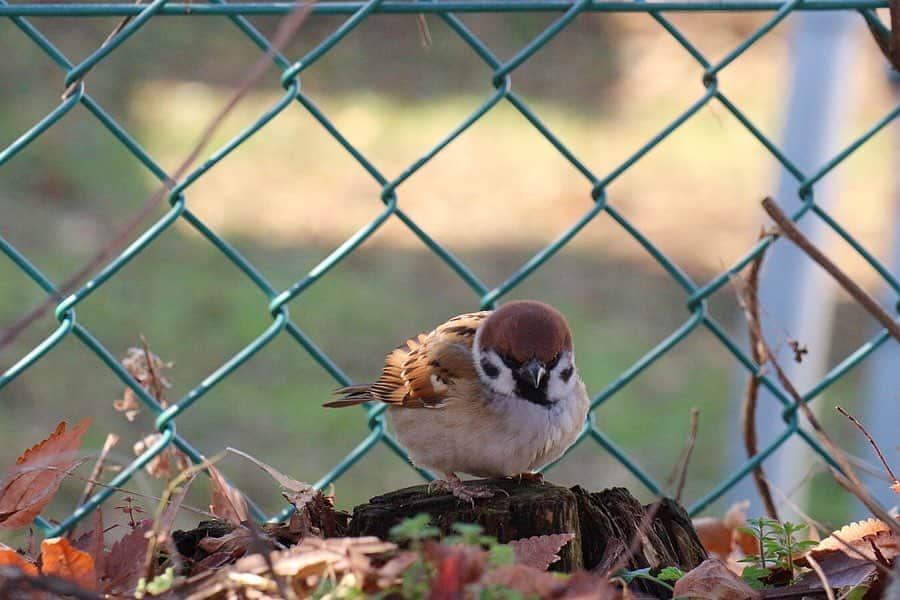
(605, 523)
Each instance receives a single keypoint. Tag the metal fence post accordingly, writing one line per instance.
(796, 296)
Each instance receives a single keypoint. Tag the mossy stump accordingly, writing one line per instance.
(605, 523)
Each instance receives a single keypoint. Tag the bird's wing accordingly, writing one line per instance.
(421, 373)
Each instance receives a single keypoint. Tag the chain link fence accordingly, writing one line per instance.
(499, 73)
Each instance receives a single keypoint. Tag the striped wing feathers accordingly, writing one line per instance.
(422, 372)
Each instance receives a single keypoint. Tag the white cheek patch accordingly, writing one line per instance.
(494, 374)
(563, 379)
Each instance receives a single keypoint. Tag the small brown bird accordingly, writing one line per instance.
(491, 393)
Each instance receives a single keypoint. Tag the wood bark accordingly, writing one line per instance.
(605, 523)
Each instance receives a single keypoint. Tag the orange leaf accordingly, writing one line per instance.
(11, 558)
(38, 474)
(59, 558)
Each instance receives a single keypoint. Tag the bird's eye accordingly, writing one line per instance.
(509, 361)
(489, 368)
(552, 364)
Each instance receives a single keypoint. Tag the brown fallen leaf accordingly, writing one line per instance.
(712, 580)
(147, 369)
(842, 571)
(60, 559)
(165, 464)
(235, 544)
(124, 562)
(11, 558)
(92, 542)
(587, 585)
(527, 580)
(860, 535)
(299, 493)
(228, 503)
(721, 537)
(540, 551)
(390, 572)
(38, 474)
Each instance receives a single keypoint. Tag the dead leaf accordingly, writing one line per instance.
(213, 562)
(235, 544)
(712, 580)
(124, 563)
(525, 579)
(389, 573)
(128, 404)
(38, 474)
(148, 370)
(169, 514)
(585, 585)
(227, 502)
(721, 537)
(92, 542)
(60, 559)
(540, 551)
(165, 464)
(859, 535)
(455, 567)
(842, 571)
(11, 558)
(895, 487)
(300, 492)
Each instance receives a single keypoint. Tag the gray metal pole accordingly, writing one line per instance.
(882, 410)
(796, 298)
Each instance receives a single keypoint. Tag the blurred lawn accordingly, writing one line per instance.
(494, 197)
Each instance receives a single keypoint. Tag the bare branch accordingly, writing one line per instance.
(791, 232)
(887, 467)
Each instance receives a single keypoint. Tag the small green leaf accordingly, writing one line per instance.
(501, 555)
(670, 574)
(414, 528)
(160, 584)
(754, 575)
(857, 593)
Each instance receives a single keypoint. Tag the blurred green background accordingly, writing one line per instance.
(494, 197)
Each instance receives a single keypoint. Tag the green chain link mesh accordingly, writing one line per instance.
(499, 72)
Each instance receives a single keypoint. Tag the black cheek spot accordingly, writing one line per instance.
(566, 373)
(489, 368)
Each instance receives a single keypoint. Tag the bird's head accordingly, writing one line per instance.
(524, 349)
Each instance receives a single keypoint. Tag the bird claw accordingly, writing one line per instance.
(528, 476)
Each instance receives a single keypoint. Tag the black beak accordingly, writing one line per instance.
(533, 372)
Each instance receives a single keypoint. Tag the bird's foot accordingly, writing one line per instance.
(535, 477)
(466, 493)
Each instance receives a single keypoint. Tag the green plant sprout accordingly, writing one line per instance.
(778, 544)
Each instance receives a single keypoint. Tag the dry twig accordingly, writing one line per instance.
(680, 475)
(887, 467)
(748, 299)
(790, 231)
(111, 440)
(821, 575)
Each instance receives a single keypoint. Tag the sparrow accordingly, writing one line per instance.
(490, 393)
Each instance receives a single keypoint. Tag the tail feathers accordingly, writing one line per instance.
(352, 395)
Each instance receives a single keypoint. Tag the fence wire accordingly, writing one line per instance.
(499, 74)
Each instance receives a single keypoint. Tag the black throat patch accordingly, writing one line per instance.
(534, 395)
